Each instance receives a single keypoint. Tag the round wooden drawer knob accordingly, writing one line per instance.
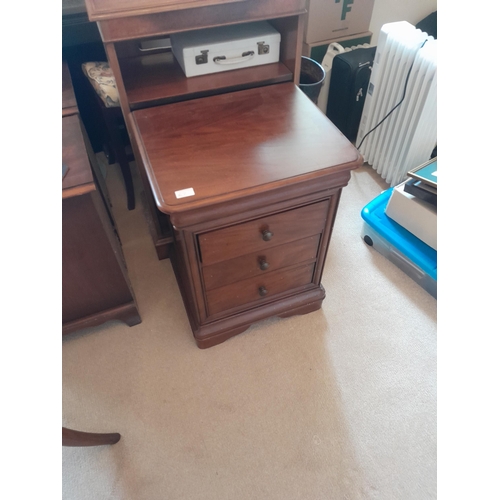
(263, 265)
(267, 235)
(262, 291)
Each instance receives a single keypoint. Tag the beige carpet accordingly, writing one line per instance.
(339, 404)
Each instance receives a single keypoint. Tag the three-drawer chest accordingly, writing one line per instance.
(251, 182)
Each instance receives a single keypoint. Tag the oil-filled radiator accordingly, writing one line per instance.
(397, 138)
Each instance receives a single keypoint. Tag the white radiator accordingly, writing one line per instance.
(407, 137)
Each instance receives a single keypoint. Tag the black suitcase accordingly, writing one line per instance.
(350, 75)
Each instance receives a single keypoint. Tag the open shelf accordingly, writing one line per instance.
(155, 79)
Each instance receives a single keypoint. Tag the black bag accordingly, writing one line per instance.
(429, 25)
(350, 76)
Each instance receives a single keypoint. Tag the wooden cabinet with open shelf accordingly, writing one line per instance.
(153, 79)
(248, 147)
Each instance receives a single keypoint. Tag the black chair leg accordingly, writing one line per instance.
(129, 186)
(118, 150)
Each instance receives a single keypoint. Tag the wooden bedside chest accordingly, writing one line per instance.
(251, 181)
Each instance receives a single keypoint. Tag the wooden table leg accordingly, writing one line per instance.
(77, 438)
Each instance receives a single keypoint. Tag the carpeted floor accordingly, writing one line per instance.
(339, 404)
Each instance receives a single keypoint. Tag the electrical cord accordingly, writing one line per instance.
(397, 105)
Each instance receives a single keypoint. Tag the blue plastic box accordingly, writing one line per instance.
(401, 247)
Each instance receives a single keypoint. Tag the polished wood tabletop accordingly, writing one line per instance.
(226, 146)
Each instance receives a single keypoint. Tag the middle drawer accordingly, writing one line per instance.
(260, 263)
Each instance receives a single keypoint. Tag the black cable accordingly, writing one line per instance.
(398, 104)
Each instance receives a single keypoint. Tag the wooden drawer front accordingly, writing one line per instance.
(260, 263)
(241, 239)
(249, 291)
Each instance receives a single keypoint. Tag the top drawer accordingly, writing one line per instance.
(263, 233)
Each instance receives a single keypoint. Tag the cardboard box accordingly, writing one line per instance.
(327, 19)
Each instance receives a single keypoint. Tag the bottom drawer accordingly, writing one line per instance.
(260, 288)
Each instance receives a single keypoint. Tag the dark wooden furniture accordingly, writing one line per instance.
(244, 171)
(95, 284)
(71, 437)
(150, 79)
(251, 242)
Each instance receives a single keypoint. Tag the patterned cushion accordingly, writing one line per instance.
(102, 79)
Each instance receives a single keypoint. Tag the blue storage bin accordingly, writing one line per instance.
(401, 247)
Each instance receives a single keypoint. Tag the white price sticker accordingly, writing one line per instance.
(184, 193)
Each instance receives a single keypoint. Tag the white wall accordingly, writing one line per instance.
(388, 11)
